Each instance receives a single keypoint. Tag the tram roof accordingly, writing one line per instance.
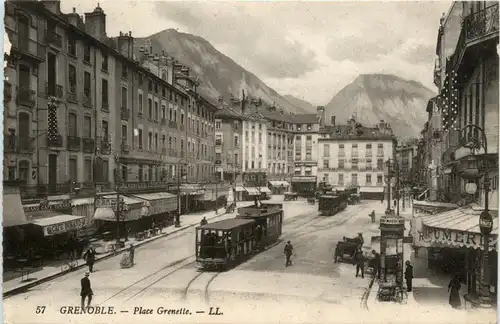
(329, 196)
(226, 224)
(255, 212)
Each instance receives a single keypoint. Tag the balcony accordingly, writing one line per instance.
(17, 144)
(7, 92)
(53, 90)
(125, 114)
(56, 141)
(72, 97)
(481, 24)
(53, 39)
(87, 98)
(105, 148)
(88, 145)
(27, 47)
(26, 97)
(172, 124)
(74, 144)
(125, 148)
(218, 142)
(163, 121)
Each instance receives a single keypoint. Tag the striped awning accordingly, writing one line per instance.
(252, 191)
(264, 190)
(454, 228)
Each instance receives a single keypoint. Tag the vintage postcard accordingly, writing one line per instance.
(250, 162)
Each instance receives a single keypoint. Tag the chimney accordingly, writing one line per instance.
(75, 19)
(126, 45)
(320, 114)
(53, 6)
(333, 120)
(95, 23)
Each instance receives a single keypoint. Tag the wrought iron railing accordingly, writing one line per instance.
(125, 113)
(54, 38)
(74, 143)
(481, 23)
(26, 96)
(88, 145)
(57, 141)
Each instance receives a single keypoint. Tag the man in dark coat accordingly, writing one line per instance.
(288, 253)
(204, 221)
(360, 263)
(409, 276)
(86, 291)
(376, 263)
(89, 257)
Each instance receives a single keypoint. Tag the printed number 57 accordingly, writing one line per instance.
(40, 309)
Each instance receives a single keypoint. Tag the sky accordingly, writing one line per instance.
(307, 49)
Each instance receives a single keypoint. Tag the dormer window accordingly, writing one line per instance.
(309, 126)
(299, 127)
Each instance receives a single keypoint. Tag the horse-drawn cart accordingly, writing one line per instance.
(345, 250)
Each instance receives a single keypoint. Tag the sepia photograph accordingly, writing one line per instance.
(250, 162)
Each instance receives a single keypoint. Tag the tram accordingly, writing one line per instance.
(224, 244)
(330, 205)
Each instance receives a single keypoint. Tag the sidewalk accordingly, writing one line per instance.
(49, 272)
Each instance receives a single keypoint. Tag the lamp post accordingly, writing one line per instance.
(180, 173)
(388, 181)
(468, 139)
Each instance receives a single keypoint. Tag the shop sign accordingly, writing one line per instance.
(392, 221)
(64, 227)
(429, 235)
(304, 179)
(45, 204)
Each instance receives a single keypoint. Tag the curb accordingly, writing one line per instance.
(24, 288)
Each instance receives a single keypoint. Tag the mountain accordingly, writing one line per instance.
(303, 105)
(375, 97)
(218, 74)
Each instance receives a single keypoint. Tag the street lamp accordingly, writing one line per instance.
(180, 173)
(472, 173)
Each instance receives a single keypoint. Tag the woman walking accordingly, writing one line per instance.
(454, 289)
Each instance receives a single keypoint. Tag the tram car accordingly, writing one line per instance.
(224, 244)
(330, 205)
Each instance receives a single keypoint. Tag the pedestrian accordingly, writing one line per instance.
(409, 276)
(131, 255)
(360, 240)
(204, 221)
(89, 257)
(288, 253)
(372, 216)
(360, 263)
(454, 289)
(376, 263)
(86, 291)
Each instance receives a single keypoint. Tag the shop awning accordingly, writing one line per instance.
(104, 213)
(265, 190)
(12, 208)
(107, 205)
(453, 228)
(251, 191)
(82, 201)
(371, 189)
(277, 183)
(157, 203)
(60, 224)
(239, 189)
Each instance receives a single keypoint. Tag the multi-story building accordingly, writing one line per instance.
(354, 155)
(405, 155)
(112, 113)
(228, 142)
(254, 138)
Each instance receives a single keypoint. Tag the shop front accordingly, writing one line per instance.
(304, 185)
(453, 243)
(279, 187)
(190, 195)
(14, 222)
(85, 207)
(371, 193)
(214, 193)
(130, 212)
(158, 208)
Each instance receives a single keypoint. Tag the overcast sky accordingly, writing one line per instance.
(310, 50)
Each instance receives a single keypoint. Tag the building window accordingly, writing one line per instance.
(218, 124)
(86, 53)
(87, 127)
(236, 141)
(354, 150)
(163, 112)
(326, 164)
(124, 97)
(73, 169)
(71, 45)
(141, 108)
(150, 141)
(354, 180)
(379, 179)
(86, 85)
(380, 164)
(156, 111)
(104, 92)
(354, 163)
(104, 65)
(368, 164)
(341, 163)
(150, 108)
(140, 139)
(124, 135)
(72, 125)
(368, 179)
(124, 71)
(326, 150)
(24, 170)
(87, 167)
(380, 149)
(341, 179)
(341, 150)
(72, 78)
(156, 142)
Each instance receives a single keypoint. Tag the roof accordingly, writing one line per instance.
(329, 196)
(262, 111)
(13, 212)
(227, 112)
(460, 219)
(227, 224)
(345, 132)
(254, 212)
(61, 218)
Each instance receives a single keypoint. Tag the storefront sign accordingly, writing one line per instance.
(64, 227)
(48, 205)
(392, 221)
(304, 179)
(429, 235)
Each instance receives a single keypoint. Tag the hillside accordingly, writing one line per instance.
(300, 103)
(373, 97)
(218, 74)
